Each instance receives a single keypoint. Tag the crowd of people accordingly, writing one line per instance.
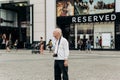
(40, 46)
(61, 52)
(5, 43)
(84, 44)
(99, 41)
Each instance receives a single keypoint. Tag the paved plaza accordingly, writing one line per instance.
(22, 65)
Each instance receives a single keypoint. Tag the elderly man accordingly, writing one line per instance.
(61, 54)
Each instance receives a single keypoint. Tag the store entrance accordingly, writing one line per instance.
(84, 33)
(12, 34)
(18, 16)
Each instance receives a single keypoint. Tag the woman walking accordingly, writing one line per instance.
(41, 45)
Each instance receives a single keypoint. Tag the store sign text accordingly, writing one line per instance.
(94, 18)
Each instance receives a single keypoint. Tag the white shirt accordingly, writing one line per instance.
(62, 50)
(97, 40)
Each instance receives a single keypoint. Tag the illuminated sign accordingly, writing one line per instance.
(86, 11)
(94, 18)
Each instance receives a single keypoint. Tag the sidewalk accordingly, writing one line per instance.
(101, 52)
(15, 51)
(22, 65)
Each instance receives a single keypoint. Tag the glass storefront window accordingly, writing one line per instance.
(84, 33)
(104, 35)
(101, 35)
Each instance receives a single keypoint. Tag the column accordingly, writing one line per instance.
(76, 35)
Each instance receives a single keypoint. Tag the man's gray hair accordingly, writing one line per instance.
(59, 31)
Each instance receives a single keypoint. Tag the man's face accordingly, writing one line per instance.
(55, 34)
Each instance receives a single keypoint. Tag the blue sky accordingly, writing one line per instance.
(105, 1)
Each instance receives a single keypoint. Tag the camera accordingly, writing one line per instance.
(55, 55)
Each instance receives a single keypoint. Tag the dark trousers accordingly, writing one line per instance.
(59, 69)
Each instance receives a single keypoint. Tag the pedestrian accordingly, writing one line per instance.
(42, 48)
(112, 42)
(88, 45)
(100, 42)
(16, 44)
(41, 45)
(97, 42)
(50, 45)
(3, 45)
(0, 41)
(60, 55)
(84, 43)
(80, 43)
(7, 45)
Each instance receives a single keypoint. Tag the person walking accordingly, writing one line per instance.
(88, 45)
(60, 55)
(80, 42)
(112, 43)
(100, 42)
(97, 42)
(41, 45)
(42, 48)
(0, 41)
(16, 44)
(50, 45)
(3, 44)
(7, 45)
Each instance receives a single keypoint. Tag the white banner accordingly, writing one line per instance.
(117, 6)
(106, 37)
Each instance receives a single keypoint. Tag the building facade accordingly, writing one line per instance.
(27, 20)
(93, 20)
(97, 21)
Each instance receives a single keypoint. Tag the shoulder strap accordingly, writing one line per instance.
(58, 44)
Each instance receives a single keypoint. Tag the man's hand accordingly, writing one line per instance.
(65, 63)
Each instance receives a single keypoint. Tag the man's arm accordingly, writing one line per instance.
(66, 48)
